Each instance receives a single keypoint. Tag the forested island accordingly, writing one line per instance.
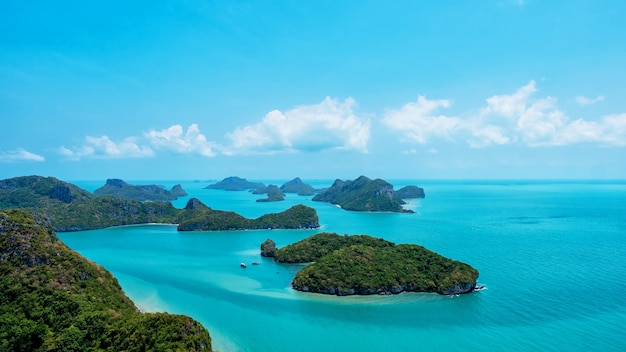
(53, 299)
(235, 183)
(297, 186)
(365, 194)
(197, 216)
(71, 208)
(154, 193)
(363, 265)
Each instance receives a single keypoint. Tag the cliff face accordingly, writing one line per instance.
(51, 298)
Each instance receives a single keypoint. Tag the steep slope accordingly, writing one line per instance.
(51, 298)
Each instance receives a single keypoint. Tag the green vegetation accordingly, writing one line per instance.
(274, 194)
(313, 248)
(409, 192)
(346, 265)
(198, 216)
(153, 193)
(53, 299)
(363, 194)
(73, 209)
(297, 186)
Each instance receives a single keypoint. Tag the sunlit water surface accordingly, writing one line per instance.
(552, 255)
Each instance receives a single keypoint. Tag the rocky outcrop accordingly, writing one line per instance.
(268, 248)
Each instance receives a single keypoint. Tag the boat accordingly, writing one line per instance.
(243, 265)
(256, 263)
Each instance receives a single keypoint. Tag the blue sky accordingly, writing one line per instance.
(487, 89)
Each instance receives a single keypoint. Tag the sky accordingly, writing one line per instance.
(194, 90)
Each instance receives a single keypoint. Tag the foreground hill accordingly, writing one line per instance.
(198, 216)
(73, 209)
(120, 189)
(348, 265)
(235, 183)
(53, 299)
(363, 194)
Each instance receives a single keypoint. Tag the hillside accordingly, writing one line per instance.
(71, 208)
(348, 265)
(363, 194)
(51, 298)
(235, 183)
(153, 193)
(297, 186)
(199, 217)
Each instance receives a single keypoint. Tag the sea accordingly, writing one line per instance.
(551, 255)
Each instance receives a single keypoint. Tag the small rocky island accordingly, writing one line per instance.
(274, 194)
(199, 217)
(364, 194)
(364, 265)
(153, 193)
(53, 299)
(235, 183)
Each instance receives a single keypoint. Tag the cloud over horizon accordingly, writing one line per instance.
(330, 124)
(20, 154)
(105, 148)
(175, 139)
(519, 117)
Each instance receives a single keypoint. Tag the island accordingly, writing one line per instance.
(363, 194)
(235, 183)
(52, 298)
(411, 192)
(199, 217)
(364, 265)
(274, 194)
(71, 208)
(297, 186)
(153, 193)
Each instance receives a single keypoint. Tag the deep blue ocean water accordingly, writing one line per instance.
(552, 255)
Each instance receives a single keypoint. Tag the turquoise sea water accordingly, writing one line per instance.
(552, 255)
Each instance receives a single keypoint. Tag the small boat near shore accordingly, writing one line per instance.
(243, 265)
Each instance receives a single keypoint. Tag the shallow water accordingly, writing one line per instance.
(552, 255)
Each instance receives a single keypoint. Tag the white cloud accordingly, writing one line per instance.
(19, 154)
(330, 124)
(519, 117)
(104, 147)
(417, 123)
(582, 101)
(175, 139)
